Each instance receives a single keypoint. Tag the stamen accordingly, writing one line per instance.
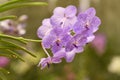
(75, 45)
(87, 25)
(57, 42)
(48, 65)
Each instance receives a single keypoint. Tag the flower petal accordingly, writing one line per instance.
(56, 47)
(90, 38)
(95, 23)
(44, 29)
(91, 12)
(60, 54)
(70, 55)
(48, 40)
(43, 63)
(70, 11)
(59, 11)
(56, 60)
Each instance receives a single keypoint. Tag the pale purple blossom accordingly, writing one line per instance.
(64, 17)
(87, 21)
(44, 29)
(47, 61)
(56, 39)
(69, 56)
(67, 33)
(77, 42)
(14, 27)
(99, 43)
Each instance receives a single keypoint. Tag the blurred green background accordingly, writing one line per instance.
(90, 65)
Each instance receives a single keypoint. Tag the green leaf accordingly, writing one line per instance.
(24, 4)
(8, 17)
(19, 39)
(18, 47)
(11, 2)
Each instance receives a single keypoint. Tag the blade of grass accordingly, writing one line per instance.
(11, 2)
(8, 17)
(18, 46)
(12, 6)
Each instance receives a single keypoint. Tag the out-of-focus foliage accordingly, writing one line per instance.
(90, 65)
(10, 46)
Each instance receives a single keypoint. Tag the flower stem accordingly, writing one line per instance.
(45, 50)
(21, 39)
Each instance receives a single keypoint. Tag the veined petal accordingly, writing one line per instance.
(70, 55)
(79, 49)
(82, 17)
(56, 47)
(70, 11)
(43, 63)
(70, 22)
(56, 60)
(65, 39)
(57, 31)
(95, 23)
(46, 22)
(91, 12)
(90, 38)
(60, 54)
(78, 28)
(59, 11)
(44, 29)
(56, 21)
(48, 40)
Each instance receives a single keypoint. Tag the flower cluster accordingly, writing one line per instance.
(12, 27)
(66, 33)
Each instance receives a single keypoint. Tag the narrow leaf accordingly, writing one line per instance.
(10, 2)
(8, 17)
(12, 6)
(13, 38)
(18, 46)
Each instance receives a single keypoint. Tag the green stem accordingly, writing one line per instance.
(12, 37)
(21, 39)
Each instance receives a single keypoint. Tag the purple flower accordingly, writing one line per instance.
(12, 27)
(47, 61)
(69, 56)
(99, 43)
(64, 17)
(4, 61)
(65, 34)
(56, 39)
(87, 21)
(77, 42)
